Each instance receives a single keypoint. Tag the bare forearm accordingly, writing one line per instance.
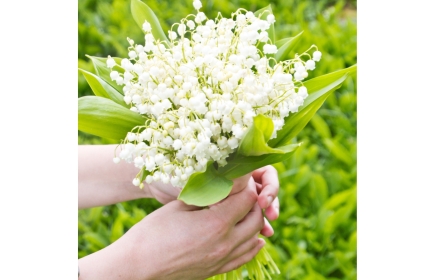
(112, 262)
(102, 182)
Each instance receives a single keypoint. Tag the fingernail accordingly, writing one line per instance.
(269, 200)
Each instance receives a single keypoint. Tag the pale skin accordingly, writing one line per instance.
(177, 241)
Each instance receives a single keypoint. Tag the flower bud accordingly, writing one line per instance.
(136, 182)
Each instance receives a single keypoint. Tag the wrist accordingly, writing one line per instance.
(116, 261)
(139, 255)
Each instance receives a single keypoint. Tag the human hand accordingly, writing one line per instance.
(266, 179)
(179, 241)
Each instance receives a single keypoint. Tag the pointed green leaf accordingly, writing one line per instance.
(285, 46)
(104, 72)
(316, 86)
(254, 141)
(142, 12)
(239, 165)
(205, 188)
(103, 89)
(103, 117)
(319, 89)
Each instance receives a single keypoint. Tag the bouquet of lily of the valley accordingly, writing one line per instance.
(207, 103)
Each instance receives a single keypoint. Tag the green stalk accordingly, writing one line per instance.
(259, 268)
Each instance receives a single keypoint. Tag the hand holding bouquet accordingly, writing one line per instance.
(210, 103)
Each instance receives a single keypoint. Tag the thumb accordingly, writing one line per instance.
(236, 206)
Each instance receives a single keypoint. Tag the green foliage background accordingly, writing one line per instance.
(315, 235)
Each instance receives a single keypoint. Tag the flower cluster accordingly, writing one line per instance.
(201, 90)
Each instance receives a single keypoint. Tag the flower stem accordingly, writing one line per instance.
(259, 268)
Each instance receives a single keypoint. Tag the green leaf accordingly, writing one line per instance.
(205, 188)
(317, 86)
(285, 46)
(264, 12)
(104, 72)
(319, 89)
(318, 190)
(338, 151)
(95, 239)
(103, 117)
(339, 198)
(117, 229)
(103, 89)
(254, 142)
(321, 126)
(239, 165)
(141, 13)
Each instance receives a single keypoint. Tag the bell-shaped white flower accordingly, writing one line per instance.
(310, 65)
(146, 26)
(136, 182)
(317, 55)
(110, 62)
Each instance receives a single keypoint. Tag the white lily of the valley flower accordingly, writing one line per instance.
(317, 55)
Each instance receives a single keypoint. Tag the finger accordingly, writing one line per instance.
(268, 177)
(259, 187)
(236, 206)
(272, 212)
(267, 230)
(240, 183)
(236, 263)
(243, 248)
(252, 223)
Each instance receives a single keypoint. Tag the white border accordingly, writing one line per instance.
(38, 111)
(396, 136)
